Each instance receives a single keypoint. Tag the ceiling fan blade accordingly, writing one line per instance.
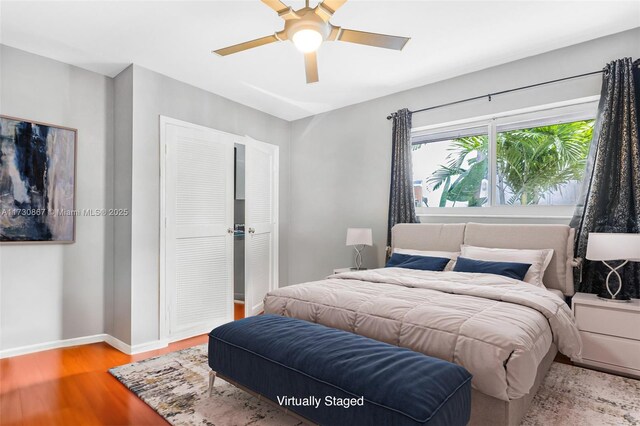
(246, 45)
(284, 11)
(373, 39)
(276, 5)
(311, 67)
(333, 5)
(327, 8)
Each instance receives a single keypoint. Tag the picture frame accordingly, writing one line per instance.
(38, 165)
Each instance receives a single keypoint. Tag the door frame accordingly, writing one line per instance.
(163, 311)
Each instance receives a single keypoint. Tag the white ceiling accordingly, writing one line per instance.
(175, 38)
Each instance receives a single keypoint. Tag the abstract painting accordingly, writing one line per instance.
(37, 181)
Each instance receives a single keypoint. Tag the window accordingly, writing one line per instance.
(451, 169)
(542, 165)
(528, 159)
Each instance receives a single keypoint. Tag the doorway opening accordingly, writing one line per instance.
(238, 232)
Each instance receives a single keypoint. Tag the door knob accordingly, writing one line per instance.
(229, 230)
(252, 231)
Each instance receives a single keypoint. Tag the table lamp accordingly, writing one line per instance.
(359, 238)
(606, 247)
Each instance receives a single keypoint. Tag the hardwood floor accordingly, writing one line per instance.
(71, 386)
(238, 310)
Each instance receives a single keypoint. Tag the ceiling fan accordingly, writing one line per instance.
(308, 27)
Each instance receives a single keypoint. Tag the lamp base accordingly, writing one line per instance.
(618, 299)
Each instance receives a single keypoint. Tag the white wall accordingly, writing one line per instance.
(154, 95)
(56, 291)
(340, 160)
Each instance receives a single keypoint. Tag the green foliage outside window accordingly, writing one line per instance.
(531, 163)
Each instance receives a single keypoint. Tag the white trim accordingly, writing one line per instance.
(85, 340)
(117, 344)
(193, 332)
(135, 349)
(148, 346)
(500, 216)
(492, 170)
(540, 211)
(55, 344)
(163, 306)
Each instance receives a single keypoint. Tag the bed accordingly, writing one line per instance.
(503, 331)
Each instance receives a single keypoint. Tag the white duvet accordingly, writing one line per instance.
(498, 328)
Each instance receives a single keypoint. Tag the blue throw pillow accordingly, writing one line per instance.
(396, 259)
(424, 263)
(508, 269)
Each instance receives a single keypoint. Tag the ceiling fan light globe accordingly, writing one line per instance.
(307, 40)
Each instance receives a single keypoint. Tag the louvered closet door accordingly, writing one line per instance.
(261, 223)
(199, 214)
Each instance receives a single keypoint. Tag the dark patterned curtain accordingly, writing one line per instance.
(610, 200)
(401, 199)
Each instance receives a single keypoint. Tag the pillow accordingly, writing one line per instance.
(507, 269)
(396, 259)
(423, 263)
(538, 259)
(453, 255)
(431, 253)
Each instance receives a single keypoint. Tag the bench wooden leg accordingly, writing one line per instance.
(212, 379)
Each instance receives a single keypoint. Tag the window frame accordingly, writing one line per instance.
(560, 112)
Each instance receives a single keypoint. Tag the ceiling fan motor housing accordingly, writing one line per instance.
(309, 20)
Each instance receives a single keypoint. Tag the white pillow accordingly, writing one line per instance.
(538, 259)
(453, 255)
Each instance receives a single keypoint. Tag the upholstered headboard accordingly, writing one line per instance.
(449, 237)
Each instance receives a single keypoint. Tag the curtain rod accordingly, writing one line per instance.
(490, 95)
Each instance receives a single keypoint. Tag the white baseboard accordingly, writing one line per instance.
(56, 344)
(118, 344)
(149, 346)
(194, 331)
(135, 349)
(97, 338)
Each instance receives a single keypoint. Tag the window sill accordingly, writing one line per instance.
(499, 216)
(500, 212)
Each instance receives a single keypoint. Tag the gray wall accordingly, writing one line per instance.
(340, 160)
(107, 282)
(57, 291)
(154, 95)
(118, 305)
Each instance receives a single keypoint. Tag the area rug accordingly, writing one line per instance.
(175, 385)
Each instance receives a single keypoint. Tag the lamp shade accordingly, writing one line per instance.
(359, 236)
(603, 246)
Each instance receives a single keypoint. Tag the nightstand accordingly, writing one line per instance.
(610, 333)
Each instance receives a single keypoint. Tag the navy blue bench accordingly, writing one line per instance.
(279, 357)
